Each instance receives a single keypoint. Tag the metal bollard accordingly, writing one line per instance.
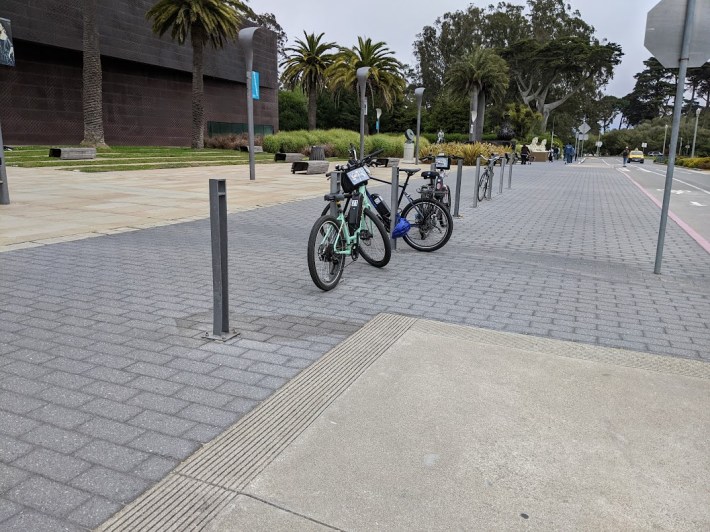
(394, 198)
(459, 172)
(4, 187)
(476, 181)
(334, 189)
(510, 174)
(220, 266)
(502, 173)
(492, 168)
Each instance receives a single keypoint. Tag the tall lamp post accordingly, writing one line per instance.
(695, 134)
(418, 93)
(246, 41)
(362, 74)
(665, 132)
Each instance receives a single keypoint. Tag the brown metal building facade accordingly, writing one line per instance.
(146, 79)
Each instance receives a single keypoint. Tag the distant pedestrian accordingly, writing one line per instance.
(569, 153)
(524, 154)
(625, 155)
(551, 155)
(557, 153)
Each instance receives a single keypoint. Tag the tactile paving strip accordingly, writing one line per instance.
(202, 485)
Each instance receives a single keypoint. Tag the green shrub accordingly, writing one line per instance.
(701, 163)
(337, 142)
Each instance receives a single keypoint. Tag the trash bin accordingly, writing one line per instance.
(408, 152)
(317, 153)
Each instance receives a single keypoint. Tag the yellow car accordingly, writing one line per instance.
(636, 156)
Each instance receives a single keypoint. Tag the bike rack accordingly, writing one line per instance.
(459, 171)
(477, 181)
(394, 200)
(502, 173)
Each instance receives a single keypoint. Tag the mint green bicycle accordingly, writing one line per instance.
(358, 231)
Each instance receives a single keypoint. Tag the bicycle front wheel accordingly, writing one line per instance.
(324, 263)
(431, 224)
(483, 186)
(375, 245)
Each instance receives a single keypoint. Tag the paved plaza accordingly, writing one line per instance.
(106, 383)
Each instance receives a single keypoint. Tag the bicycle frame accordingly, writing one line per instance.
(351, 240)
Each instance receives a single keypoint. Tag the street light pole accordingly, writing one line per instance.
(362, 74)
(246, 41)
(665, 132)
(419, 93)
(695, 133)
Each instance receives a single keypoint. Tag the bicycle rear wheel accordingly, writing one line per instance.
(431, 224)
(324, 264)
(483, 185)
(375, 245)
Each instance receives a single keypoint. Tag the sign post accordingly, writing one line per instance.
(676, 35)
(419, 93)
(362, 75)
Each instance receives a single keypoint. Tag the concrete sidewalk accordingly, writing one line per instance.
(444, 427)
(50, 205)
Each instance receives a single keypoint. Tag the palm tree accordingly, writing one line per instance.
(205, 22)
(92, 97)
(305, 67)
(480, 74)
(386, 80)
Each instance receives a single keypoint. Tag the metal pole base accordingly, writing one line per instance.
(224, 337)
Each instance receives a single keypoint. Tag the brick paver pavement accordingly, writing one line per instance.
(106, 384)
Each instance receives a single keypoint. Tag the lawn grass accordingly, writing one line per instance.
(122, 158)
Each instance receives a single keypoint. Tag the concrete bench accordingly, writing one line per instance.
(310, 167)
(73, 153)
(257, 149)
(288, 157)
(387, 162)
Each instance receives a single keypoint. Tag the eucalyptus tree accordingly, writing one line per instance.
(204, 22)
(305, 67)
(479, 74)
(386, 81)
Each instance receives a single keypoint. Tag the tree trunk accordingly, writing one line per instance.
(481, 116)
(473, 114)
(92, 99)
(198, 91)
(312, 107)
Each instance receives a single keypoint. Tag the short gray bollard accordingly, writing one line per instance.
(220, 266)
(510, 174)
(4, 187)
(334, 189)
(459, 172)
(502, 173)
(393, 204)
(476, 181)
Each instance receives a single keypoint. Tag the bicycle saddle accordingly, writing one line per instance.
(409, 171)
(430, 175)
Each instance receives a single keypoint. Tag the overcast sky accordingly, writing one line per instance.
(397, 23)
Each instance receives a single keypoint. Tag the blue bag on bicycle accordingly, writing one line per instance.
(401, 228)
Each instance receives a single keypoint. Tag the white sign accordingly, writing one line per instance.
(644, 144)
(584, 128)
(598, 144)
(664, 32)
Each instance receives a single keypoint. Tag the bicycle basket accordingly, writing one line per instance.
(354, 178)
(401, 228)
